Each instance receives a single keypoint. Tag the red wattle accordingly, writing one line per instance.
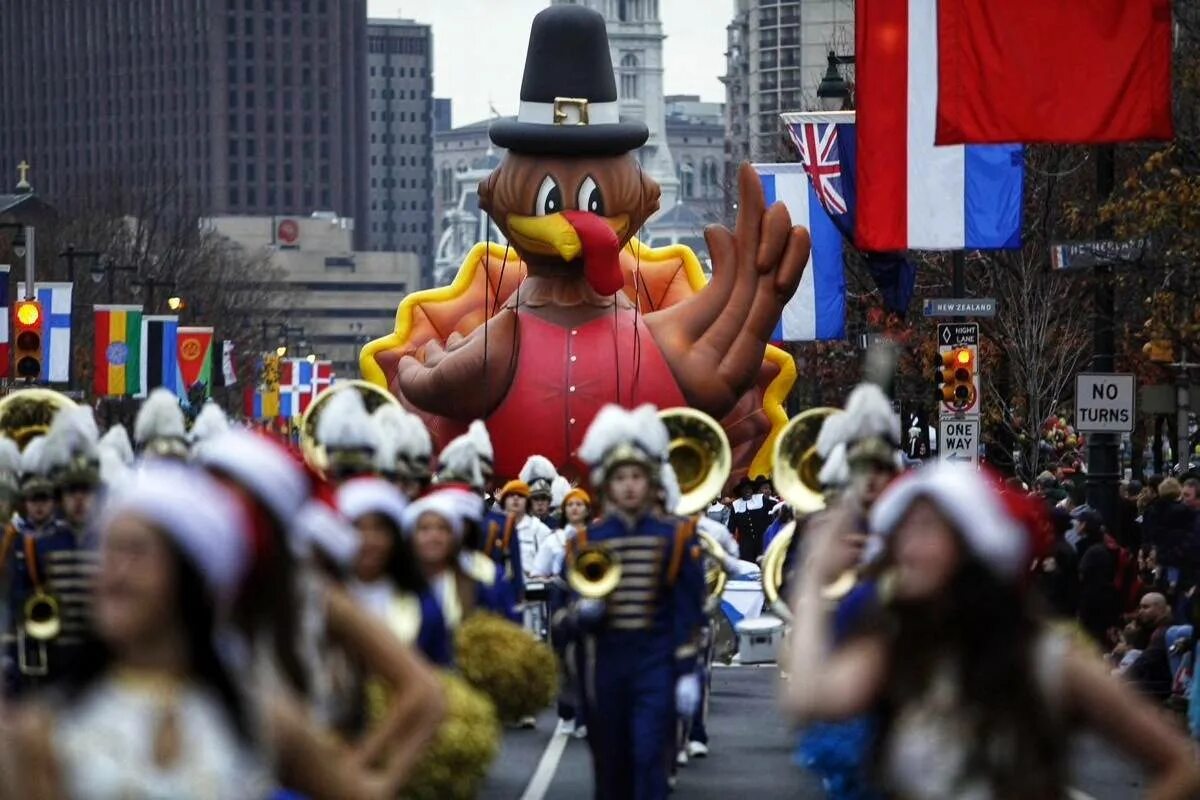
(601, 251)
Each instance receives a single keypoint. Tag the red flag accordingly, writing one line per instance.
(1068, 71)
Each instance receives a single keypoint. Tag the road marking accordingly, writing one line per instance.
(547, 766)
(1075, 794)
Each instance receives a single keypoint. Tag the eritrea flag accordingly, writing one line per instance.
(118, 349)
(195, 358)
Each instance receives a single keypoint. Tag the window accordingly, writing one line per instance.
(687, 178)
(233, 196)
(233, 123)
(249, 123)
(233, 172)
(251, 196)
(629, 77)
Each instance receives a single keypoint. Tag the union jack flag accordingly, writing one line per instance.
(817, 143)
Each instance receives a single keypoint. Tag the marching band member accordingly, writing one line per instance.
(159, 430)
(637, 646)
(405, 449)
(530, 532)
(149, 710)
(539, 475)
(975, 696)
(349, 437)
(285, 620)
(34, 534)
(388, 581)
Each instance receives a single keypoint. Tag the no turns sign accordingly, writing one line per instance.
(1104, 402)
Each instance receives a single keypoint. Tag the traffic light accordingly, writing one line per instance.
(27, 339)
(955, 378)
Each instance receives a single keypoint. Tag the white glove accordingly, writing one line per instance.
(687, 695)
(589, 610)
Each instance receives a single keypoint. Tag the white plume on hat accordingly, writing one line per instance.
(196, 513)
(113, 471)
(462, 458)
(558, 491)
(73, 434)
(832, 433)
(210, 422)
(116, 441)
(418, 440)
(10, 457)
(836, 469)
(614, 426)
(401, 435)
(670, 487)
(971, 504)
(870, 413)
(33, 458)
(160, 417)
(537, 468)
(345, 424)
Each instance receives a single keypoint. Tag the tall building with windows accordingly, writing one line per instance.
(230, 106)
(635, 40)
(400, 139)
(775, 57)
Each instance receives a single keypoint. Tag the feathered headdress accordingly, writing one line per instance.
(559, 488)
(210, 422)
(10, 468)
(404, 447)
(349, 437)
(539, 474)
(116, 440)
(71, 455)
(618, 436)
(34, 470)
(159, 428)
(468, 458)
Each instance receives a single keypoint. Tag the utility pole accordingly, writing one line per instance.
(1104, 458)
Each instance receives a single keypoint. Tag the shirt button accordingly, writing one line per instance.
(574, 332)
(574, 359)
(572, 420)
(571, 389)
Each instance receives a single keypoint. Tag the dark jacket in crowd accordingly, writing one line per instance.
(1151, 673)
(1058, 579)
(1168, 526)
(1099, 603)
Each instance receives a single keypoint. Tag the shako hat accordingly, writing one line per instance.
(568, 93)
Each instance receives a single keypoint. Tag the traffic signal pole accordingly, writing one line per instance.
(1104, 457)
(30, 290)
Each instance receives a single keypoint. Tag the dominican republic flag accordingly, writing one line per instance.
(827, 144)
(295, 387)
(160, 354)
(5, 311)
(56, 330)
(323, 377)
(913, 195)
(818, 308)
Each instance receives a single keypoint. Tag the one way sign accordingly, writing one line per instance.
(958, 439)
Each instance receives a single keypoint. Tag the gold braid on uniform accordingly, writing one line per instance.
(502, 660)
(456, 762)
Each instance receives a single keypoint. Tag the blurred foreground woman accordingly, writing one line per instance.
(150, 712)
(976, 698)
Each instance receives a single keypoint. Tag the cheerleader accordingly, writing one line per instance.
(387, 579)
(293, 628)
(148, 710)
(434, 526)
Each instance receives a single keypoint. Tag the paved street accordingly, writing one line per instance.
(751, 755)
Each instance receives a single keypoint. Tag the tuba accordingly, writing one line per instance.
(27, 413)
(796, 466)
(594, 572)
(715, 577)
(314, 451)
(699, 453)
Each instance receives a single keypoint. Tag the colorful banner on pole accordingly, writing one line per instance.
(228, 365)
(295, 387)
(262, 401)
(195, 359)
(159, 353)
(5, 335)
(117, 351)
(56, 329)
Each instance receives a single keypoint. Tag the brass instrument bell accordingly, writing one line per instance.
(700, 454)
(43, 621)
(594, 572)
(795, 463)
(314, 451)
(715, 577)
(27, 413)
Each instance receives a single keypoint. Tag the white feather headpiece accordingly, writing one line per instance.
(10, 456)
(345, 424)
(72, 435)
(558, 491)
(160, 417)
(116, 441)
(618, 435)
(869, 414)
(210, 422)
(33, 458)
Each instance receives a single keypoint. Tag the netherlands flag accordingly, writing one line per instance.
(912, 194)
(817, 310)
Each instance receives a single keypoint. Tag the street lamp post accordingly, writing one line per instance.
(105, 270)
(833, 92)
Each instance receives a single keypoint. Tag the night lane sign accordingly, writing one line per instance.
(958, 439)
(960, 307)
(1104, 402)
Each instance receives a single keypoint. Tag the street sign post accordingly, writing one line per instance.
(1082, 255)
(958, 439)
(1104, 402)
(960, 307)
(954, 337)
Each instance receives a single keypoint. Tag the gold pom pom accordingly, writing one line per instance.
(457, 760)
(506, 663)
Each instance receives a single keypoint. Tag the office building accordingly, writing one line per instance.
(400, 109)
(216, 106)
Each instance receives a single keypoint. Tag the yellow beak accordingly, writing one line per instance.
(548, 235)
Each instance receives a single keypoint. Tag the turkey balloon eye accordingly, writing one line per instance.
(590, 198)
(549, 198)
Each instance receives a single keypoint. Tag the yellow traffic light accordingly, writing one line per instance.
(29, 312)
(27, 339)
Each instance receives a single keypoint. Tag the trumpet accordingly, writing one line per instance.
(595, 572)
(43, 621)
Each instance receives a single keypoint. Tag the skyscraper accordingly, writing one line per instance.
(234, 106)
(400, 127)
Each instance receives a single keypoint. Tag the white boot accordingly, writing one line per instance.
(697, 749)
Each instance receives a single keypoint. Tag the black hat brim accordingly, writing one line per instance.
(568, 140)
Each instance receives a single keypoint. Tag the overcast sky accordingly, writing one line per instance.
(479, 48)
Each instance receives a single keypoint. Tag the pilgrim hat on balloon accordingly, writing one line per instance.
(568, 93)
